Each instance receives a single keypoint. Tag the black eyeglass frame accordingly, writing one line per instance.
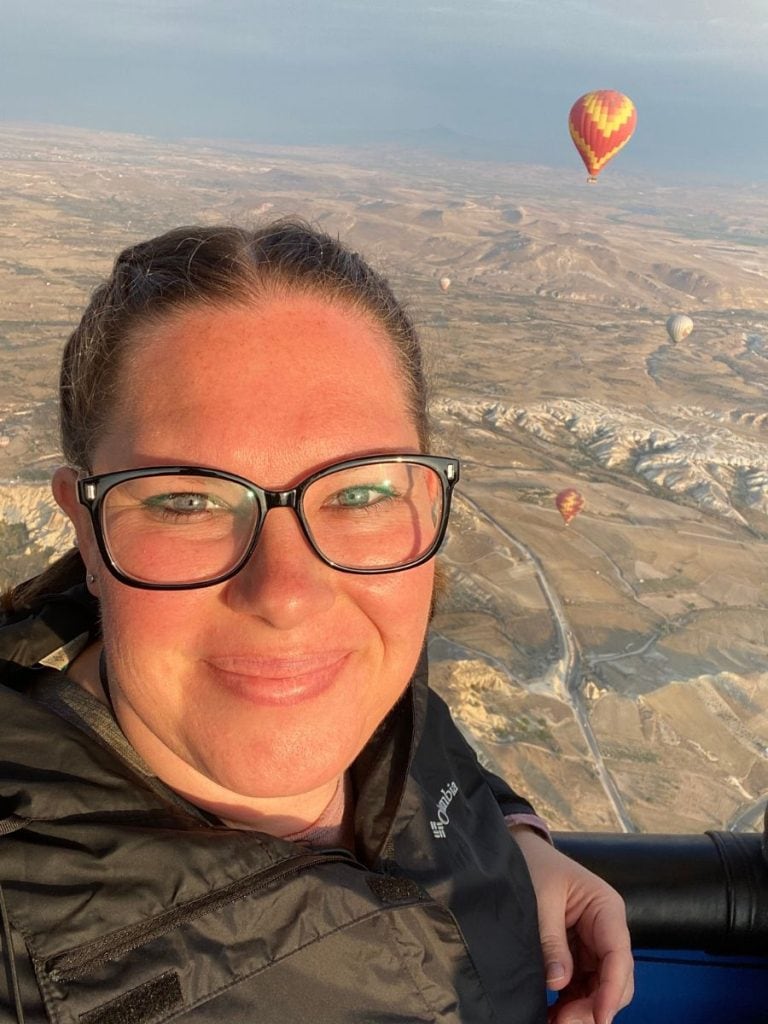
(92, 491)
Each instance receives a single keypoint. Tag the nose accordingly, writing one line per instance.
(283, 583)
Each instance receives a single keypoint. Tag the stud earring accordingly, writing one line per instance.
(91, 578)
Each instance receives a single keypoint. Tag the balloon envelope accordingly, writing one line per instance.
(601, 123)
(445, 283)
(569, 503)
(679, 326)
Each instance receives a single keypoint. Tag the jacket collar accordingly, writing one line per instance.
(382, 769)
(53, 635)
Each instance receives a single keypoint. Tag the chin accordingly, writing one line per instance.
(289, 776)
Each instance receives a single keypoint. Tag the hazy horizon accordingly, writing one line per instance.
(499, 75)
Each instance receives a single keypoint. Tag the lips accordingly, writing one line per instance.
(278, 682)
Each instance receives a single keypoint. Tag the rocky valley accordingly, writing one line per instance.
(614, 668)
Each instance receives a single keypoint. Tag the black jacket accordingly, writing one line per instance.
(123, 904)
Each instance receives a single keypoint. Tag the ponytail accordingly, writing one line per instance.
(67, 571)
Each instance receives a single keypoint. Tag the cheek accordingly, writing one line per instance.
(388, 614)
(396, 611)
(155, 621)
(398, 607)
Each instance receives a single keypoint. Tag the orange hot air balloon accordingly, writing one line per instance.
(569, 503)
(600, 124)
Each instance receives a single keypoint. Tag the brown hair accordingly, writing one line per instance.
(214, 265)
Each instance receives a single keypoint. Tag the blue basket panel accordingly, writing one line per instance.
(695, 988)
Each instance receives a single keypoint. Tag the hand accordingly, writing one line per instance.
(584, 935)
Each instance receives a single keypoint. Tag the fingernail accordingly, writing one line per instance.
(555, 971)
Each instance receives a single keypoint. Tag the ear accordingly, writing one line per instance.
(64, 487)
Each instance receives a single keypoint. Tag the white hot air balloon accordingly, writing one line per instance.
(679, 326)
(445, 284)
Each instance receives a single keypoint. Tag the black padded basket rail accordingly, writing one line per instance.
(706, 892)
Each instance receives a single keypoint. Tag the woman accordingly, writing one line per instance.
(230, 794)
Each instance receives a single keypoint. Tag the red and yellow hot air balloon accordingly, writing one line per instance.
(601, 123)
(569, 503)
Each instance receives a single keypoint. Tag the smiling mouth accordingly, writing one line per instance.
(278, 682)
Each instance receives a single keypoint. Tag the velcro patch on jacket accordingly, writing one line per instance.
(390, 889)
(142, 1005)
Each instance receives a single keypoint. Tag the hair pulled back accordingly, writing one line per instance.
(219, 265)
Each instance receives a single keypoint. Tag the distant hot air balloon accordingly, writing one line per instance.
(445, 284)
(679, 326)
(600, 124)
(569, 503)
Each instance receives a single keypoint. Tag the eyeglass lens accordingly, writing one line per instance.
(172, 529)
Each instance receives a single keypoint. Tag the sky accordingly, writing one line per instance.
(500, 73)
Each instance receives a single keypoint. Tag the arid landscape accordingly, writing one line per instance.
(614, 669)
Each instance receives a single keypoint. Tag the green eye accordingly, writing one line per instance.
(184, 503)
(189, 503)
(363, 495)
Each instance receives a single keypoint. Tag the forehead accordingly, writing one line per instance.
(275, 389)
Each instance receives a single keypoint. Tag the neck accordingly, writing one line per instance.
(277, 816)
(84, 671)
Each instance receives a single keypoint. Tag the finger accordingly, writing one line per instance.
(574, 1011)
(603, 931)
(558, 962)
(550, 874)
(616, 986)
(599, 989)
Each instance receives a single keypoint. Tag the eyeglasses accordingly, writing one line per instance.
(183, 527)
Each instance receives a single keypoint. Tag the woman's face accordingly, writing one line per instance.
(269, 684)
